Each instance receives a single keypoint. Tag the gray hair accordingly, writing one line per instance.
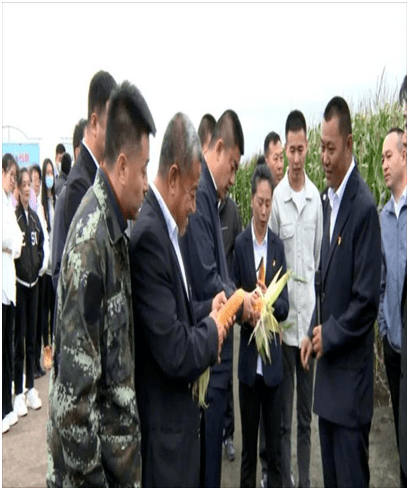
(180, 145)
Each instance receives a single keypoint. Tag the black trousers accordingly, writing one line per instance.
(45, 320)
(7, 361)
(392, 367)
(212, 437)
(25, 334)
(344, 454)
(254, 401)
(229, 414)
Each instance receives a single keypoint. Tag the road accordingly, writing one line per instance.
(24, 456)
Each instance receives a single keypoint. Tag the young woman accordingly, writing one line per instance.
(259, 383)
(28, 266)
(48, 303)
(12, 240)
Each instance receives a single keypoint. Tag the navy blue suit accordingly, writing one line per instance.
(203, 252)
(256, 393)
(171, 351)
(350, 275)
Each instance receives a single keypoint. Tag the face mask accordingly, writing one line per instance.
(49, 181)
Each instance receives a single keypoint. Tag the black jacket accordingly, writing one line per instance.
(80, 179)
(29, 263)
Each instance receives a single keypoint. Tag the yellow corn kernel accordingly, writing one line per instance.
(230, 307)
(262, 272)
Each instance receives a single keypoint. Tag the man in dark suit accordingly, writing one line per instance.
(172, 349)
(343, 341)
(203, 252)
(82, 175)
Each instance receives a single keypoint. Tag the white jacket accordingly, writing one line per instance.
(11, 249)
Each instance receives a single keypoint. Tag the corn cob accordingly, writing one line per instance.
(262, 271)
(267, 324)
(229, 309)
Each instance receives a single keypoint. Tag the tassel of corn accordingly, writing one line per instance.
(229, 309)
(262, 272)
(267, 324)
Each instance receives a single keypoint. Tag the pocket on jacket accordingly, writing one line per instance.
(286, 231)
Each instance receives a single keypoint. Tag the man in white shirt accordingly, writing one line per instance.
(296, 217)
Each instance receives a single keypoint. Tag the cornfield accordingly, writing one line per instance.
(370, 124)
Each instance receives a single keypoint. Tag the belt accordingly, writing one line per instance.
(27, 284)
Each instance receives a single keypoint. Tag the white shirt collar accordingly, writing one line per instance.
(173, 229)
(253, 235)
(90, 152)
(341, 189)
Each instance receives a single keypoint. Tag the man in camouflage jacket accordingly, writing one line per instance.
(93, 433)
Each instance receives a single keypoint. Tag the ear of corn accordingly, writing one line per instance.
(267, 324)
(262, 272)
(229, 309)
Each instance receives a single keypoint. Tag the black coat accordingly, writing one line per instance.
(79, 180)
(203, 253)
(245, 276)
(350, 278)
(171, 351)
(29, 263)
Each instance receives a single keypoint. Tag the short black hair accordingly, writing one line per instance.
(7, 161)
(66, 163)
(35, 168)
(271, 137)
(100, 89)
(78, 133)
(228, 129)
(260, 160)
(400, 134)
(403, 91)
(60, 148)
(261, 172)
(295, 122)
(128, 118)
(206, 127)
(338, 107)
(180, 144)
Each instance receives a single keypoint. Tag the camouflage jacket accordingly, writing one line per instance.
(93, 432)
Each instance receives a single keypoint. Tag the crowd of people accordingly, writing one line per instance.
(115, 285)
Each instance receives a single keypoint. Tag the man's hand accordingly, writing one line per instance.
(317, 341)
(305, 353)
(221, 330)
(219, 300)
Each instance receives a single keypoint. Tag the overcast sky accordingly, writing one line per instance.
(262, 60)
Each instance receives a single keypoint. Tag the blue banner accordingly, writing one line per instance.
(26, 154)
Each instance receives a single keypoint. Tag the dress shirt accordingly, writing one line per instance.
(301, 233)
(335, 199)
(173, 232)
(260, 250)
(399, 204)
(92, 155)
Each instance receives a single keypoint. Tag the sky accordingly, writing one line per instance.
(260, 59)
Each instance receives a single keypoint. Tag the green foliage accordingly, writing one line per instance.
(369, 128)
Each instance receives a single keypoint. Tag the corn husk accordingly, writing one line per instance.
(268, 325)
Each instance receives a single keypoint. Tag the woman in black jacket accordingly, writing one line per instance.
(28, 266)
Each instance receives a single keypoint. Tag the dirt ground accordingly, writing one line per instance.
(24, 460)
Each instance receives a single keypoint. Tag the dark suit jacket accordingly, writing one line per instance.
(203, 252)
(230, 223)
(171, 352)
(350, 299)
(245, 276)
(79, 180)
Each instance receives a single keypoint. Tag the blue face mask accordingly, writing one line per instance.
(49, 181)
